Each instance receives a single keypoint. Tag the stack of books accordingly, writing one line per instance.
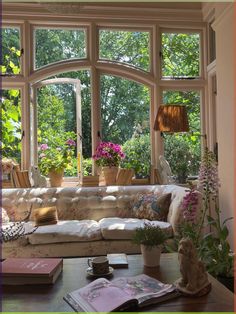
(28, 271)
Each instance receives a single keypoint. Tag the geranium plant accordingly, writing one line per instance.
(108, 154)
(57, 155)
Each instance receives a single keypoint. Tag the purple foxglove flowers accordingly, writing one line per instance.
(190, 206)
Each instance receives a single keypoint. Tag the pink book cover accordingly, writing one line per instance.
(30, 266)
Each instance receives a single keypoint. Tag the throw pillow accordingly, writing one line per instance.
(45, 216)
(5, 217)
(151, 206)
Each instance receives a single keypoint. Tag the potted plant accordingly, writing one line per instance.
(55, 157)
(151, 238)
(109, 155)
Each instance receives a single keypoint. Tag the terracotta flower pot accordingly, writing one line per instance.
(56, 177)
(151, 256)
(109, 174)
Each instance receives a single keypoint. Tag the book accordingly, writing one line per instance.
(118, 260)
(122, 293)
(22, 271)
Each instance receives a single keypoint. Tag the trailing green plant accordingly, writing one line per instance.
(149, 235)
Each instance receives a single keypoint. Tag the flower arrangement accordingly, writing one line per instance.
(108, 154)
(56, 156)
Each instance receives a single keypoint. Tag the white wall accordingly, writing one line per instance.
(225, 67)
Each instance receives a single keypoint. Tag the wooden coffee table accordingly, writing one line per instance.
(49, 298)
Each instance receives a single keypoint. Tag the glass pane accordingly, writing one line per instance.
(10, 51)
(125, 120)
(180, 55)
(52, 45)
(11, 124)
(124, 46)
(183, 150)
(57, 117)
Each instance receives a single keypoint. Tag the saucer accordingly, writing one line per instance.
(89, 271)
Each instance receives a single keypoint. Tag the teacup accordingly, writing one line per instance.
(99, 265)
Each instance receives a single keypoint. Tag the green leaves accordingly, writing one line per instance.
(11, 124)
(10, 51)
(180, 54)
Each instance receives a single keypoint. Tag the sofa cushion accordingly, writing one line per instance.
(151, 206)
(124, 228)
(45, 216)
(67, 231)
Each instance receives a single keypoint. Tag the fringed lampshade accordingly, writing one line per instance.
(171, 118)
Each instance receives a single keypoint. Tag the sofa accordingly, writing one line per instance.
(92, 220)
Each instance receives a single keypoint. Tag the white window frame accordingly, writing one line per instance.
(97, 67)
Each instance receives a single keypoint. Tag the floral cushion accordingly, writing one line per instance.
(151, 206)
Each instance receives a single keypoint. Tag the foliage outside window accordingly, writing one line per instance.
(56, 118)
(125, 120)
(10, 40)
(125, 46)
(125, 104)
(180, 55)
(11, 124)
(58, 44)
(183, 150)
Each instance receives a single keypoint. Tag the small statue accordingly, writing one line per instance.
(194, 279)
(38, 179)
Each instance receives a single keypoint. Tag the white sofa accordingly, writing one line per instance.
(92, 220)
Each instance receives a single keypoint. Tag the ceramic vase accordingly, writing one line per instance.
(151, 256)
(109, 174)
(56, 177)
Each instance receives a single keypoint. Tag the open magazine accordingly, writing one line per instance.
(122, 293)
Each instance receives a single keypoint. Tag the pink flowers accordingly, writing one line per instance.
(70, 142)
(108, 154)
(44, 146)
(190, 206)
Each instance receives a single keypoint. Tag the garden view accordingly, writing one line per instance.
(125, 104)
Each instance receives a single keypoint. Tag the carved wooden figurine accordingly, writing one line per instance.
(194, 279)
